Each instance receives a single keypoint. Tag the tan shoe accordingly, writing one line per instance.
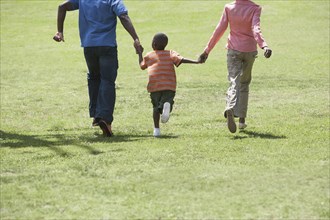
(231, 121)
(242, 126)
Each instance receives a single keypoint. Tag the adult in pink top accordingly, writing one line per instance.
(243, 17)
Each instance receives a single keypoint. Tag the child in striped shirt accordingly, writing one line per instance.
(162, 79)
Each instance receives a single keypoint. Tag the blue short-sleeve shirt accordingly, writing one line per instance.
(98, 21)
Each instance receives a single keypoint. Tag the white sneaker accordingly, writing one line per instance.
(166, 112)
(156, 132)
(242, 126)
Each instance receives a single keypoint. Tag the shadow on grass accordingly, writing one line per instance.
(54, 141)
(167, 137)
(253, 134)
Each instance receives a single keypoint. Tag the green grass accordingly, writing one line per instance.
(54, 166)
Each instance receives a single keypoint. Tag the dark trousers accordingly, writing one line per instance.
(102, 63)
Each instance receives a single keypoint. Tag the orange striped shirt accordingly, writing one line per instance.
(160, 64)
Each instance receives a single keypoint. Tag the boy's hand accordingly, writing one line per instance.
(268, 52)
(138, 47)
(203, 57)
(59, 37)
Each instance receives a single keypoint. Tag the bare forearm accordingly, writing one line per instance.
(127, 24)
(60, 18)
(140, 58)
(185, 60)
(61, 14)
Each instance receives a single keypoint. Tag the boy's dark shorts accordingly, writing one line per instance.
(159, 98)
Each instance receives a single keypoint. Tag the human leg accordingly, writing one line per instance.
(156, 117)
(166, 112)
(155, 99)
(234, 66)
(108, 62)
(244, 87)
(162, 102)
(166, 103)
(93, 78)
(241, 124)
(244, 84)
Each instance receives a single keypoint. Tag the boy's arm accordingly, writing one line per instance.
(142, 64)
(140, 61)
(185, 60)
(203, 57)
(140, 58)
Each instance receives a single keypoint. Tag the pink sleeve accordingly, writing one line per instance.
(218, 32)
(256, 29)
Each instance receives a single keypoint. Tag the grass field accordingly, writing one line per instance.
(55, 166)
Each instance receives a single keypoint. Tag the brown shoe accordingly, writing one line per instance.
(106, 128)
(231, 121)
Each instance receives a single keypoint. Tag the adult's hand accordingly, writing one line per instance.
(268, 52)
(138, 47)
(203, 57)
(58, 37)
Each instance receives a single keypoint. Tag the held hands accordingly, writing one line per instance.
(58, 37)
(268, 52)
(138, 47)
(203, 57)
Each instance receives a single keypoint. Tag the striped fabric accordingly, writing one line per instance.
(160, 64)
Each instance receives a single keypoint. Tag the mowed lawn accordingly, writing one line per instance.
(55, 166)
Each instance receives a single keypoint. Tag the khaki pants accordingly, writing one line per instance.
(239, 66)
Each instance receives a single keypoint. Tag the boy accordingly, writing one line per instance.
(162, 78)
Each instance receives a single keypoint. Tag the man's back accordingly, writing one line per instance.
(98, 20)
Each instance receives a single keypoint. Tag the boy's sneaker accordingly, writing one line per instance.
(166, 112)
(231, 121)
(106, 128)
(156, 132)
(242, 126)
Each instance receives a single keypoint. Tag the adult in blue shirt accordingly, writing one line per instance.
(97, 27)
